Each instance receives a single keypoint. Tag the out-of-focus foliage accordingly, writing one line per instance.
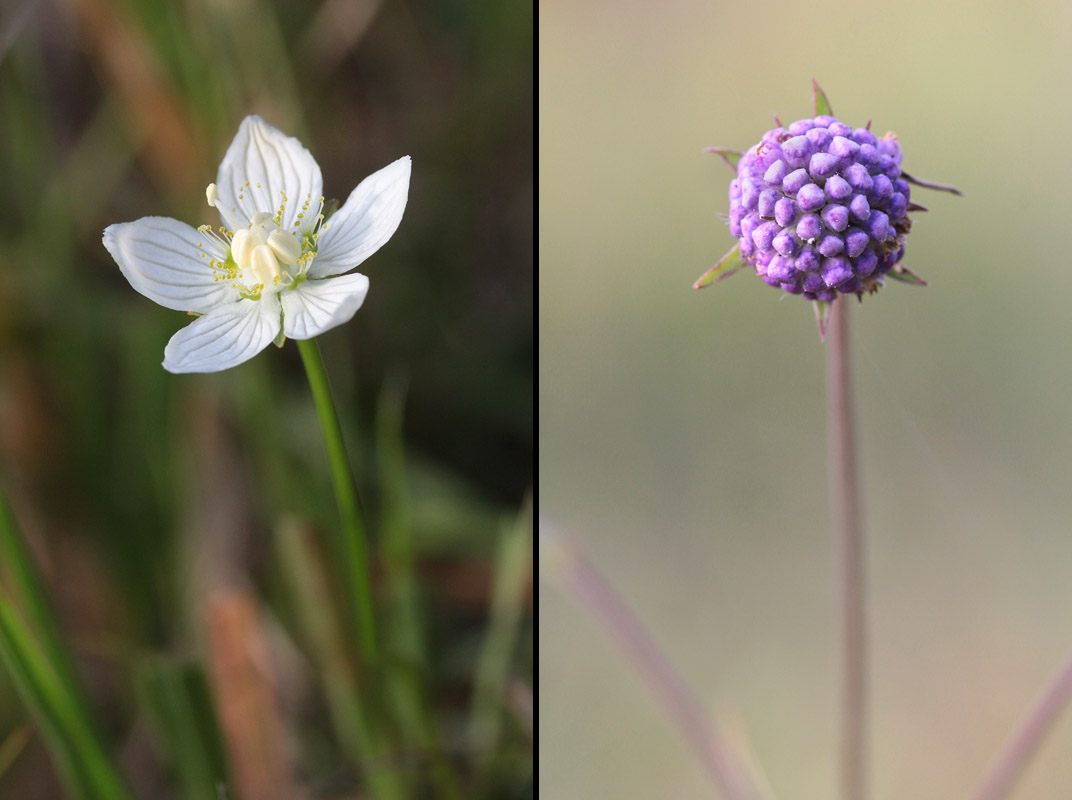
(145, 496)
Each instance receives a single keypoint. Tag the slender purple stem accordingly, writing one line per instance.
(848, 534)
(1033, 729)
(573, 572)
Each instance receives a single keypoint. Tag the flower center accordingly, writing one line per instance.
(258, 256)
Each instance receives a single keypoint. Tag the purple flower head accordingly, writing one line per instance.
(806, 184)
(820, 208)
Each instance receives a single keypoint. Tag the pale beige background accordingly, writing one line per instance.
(682, 432)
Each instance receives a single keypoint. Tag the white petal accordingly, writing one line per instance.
(224, 338)
(318, 306)
(168, 262)
(275, 166)
(366, 221)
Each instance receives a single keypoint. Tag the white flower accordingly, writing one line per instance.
(275, 268)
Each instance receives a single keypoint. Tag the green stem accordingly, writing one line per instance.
(354, 547)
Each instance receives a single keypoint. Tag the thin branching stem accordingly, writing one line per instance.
(1028, 737)
(573, 572)
(848, 536)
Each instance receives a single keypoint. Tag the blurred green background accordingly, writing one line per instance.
(682, 433)
(143, 493)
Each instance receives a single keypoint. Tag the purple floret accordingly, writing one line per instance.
(820, 137)
(749, 224)
(855, 241)
(865, 263)
(882, 191)
(785, 212)
(810, 227)
(864, 136)
(781, 269)
(810, 198)
(807, 261)
(793, 182)
(830, 245)
(835, 218)
(897, 206)
(786, 243)
(813, 282)
(767, 199)
(764, 235)
(823, 165)
(842, 147)
(859, 208)
(836, 271)
(878, 226)
(858, 177)
(797, 151)
(868, 155)
(749, 193)
(838, 189)
(775, 172)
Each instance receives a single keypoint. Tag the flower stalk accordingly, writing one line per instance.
(353, 542)
(845, 511)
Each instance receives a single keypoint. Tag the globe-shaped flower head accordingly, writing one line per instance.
(820, 209)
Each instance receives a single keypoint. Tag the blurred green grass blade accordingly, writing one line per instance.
(396, 524)
(13, 745)
(513, 572)
(53, 664)
(79, 756)
(18, 567)
(407, 664)
(178, 700)
(318, 614)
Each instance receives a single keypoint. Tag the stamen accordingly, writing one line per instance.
(214, 238)
(242, 245)
(251, 251)
(231, 218)
(264, 264)
(286, 246)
